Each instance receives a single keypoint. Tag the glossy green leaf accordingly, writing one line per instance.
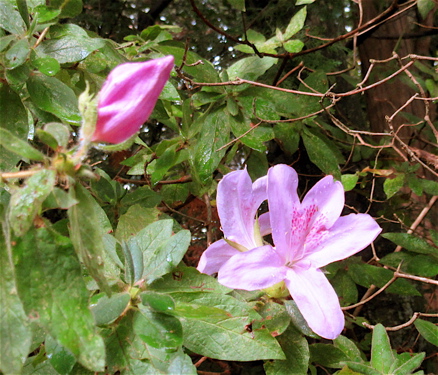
(143, 195)
(251, 67)
(156, 329)
(47, 65)
(321, 154)
(15, 333)
(428, 330)
(216, 326)
(10, 19)
(107, 309)
(51, 95)
(50, 283)
(296, 23)
(164, 163)
(26, 202)
(161, 251)
(411, 243)
(296, 349)
(69, 43)
(17, 54)
(133, 261)
(61, 359)
(18, 146)
(68, 8)
(345, 288)
(59, 132)
(158, 302)
(382, 356)
(24, 13)
(275, 318)
(215, 133)
(391, 186)
(86, 231)
(288, 137)
(188, 280)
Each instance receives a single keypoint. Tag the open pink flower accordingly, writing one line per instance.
(128, 97)
(237, 202)
(307, 235)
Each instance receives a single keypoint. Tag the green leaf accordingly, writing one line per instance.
(293, 46)
(107, 309)
(202, 72)
(68, 8)
(158, 302)
(51, 285)
(428, 330)
(349, 348)
(250, 68)
(164, 163)
(135, 219)
(187, 280)
(10, 19)
(69, 43)
(349, 181)
(320, 153)
(391, 186)
(59, 132)
(410, 365)
(288, 136)
(15, 333)
(86, 232)
(61, 359)
(411, 243)
(424, 7)
(327, 355)
(238, 4)
(362, 368)
(157, 329)
(26, 202)
(143, 195)
(304, 2)
(214, 134)
(51, 95)
(298, 320)
(345, 288)
(18, 146)
(296, 349)
(162, 252)
(296, 23)
(382, 356)
(17, 54)
(47, 65)
(216, 326)
(24, 13)
(133, 261)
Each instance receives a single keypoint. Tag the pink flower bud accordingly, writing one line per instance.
(128, 97)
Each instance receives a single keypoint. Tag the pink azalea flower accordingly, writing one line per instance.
(307, 235)
(237, 202)
(128, 97)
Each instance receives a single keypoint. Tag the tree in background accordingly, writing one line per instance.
(99, 243)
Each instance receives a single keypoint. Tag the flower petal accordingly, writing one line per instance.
(316, 300)
(328, 197)
(283, 201)
(346, 237)
(215, 256)
(258, 268)
(265, 224)
(238, 200)
(128, 97)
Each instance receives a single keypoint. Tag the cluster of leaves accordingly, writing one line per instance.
(92, 272)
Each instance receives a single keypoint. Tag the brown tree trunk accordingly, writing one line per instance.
(398, 35)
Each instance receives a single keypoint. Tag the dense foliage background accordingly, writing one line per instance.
(97, 258)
